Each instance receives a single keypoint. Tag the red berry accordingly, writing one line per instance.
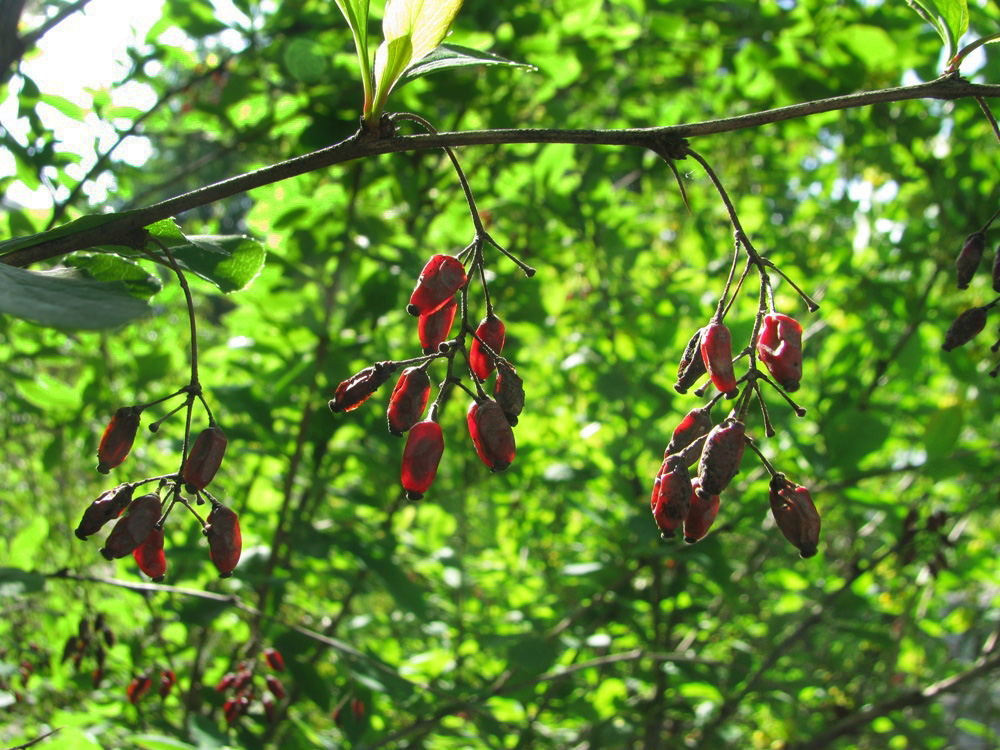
(225, 543)
(133, 528)
(965, 328)
(968, 259)
(138, 687)
(779, 346)
(205, 458)
(433, 328)
(118, 438)
(108, 506)
(721, 456)
(270, 711)
(492, 435)
(795, 513)
(421, 456)
(439, 280)
(167, 681)
(359, 387)
(149, 555)
(702, 514)
(696, 423)
(409, 397)
(671, 497)
(717, 353)
(491, 333)
(275, 686)
(274, 659)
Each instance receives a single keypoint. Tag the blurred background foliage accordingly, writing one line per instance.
(535, 608)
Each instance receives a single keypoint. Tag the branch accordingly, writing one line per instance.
(364, 143)
(14, 47)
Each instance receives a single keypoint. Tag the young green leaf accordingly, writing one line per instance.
(446, 56)
(356, 13)
(950, 18)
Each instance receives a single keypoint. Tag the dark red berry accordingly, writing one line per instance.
(118, 438)
(969, 257)
(138, 687)
(779, 346)
(701, 516)
(225, 542)
(149, 555)
(358, 388)
(492, 435)
(721, 456)
(270, 710)
(439, 280)
(795, 513)
(167, 680)
(434, 328)
(490, 333)
(421, 456)
(671, 497)
(274, 659)
(717, 354)
(692, 365)
(965, 328)
(205, 458)
(696, 423)
(105, 508)
(133, 528)
(275, 686)
(409, 397)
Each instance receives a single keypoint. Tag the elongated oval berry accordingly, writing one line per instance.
(491, 333)
(118, 438)
(438, 281)
(717, 354)
(779, 346)
(359, 387)
(105, 508)
(671, 496)
(421, 456)
(434, 328)
(969, 257)
(509, 390)
(491, 434)
(132, 529)
(149, 555)
(702, 514)
(225, 542)
(167, 680)
(274, 659)
(795, 513)
(138, 688)
(205, 458)
(721, 456)
(965, 328)
(409, 397)
(696, 423)
(275, 686)
(692, 365)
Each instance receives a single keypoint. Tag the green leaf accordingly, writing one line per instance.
(112, 267)
(356, 13)
(305, 60)
(853, 434)
(62, 299)
(453, 56)
(942, 430)
(230, 262)
(949, 17)
(159, 742)
(391, 59)
(72, 227)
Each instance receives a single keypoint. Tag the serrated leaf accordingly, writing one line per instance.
(446, 56)
(111, 267)
(62, 299)
(949, 17)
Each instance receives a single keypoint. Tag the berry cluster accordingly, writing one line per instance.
(139, 528)
(89, 639)
(241, 692)
(142, 684)
(970, 323)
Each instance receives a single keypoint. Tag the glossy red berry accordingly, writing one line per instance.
(118, 438)
(969, 257)
(105, 508)
(225, 542)
(491, 333)
(150, 557)
(421, 456)
(358, 388)
(721, 456)
(439, 280)
(671, 498)
(717, 354)
(492, 435)
(795, 514)
(701, 516)
(408, 400)
(434, 328)
(133, 528)
(779, 346)
(205, 458)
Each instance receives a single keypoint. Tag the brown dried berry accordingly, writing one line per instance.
(491, 434)
(440, 278)
(433, 328)
(359, 387)
(692, 365)
(118, 438)
(509, 390)
(717, 353)
(149, 555)
(133, 528)
(105, 508)
(490, 333)
(779, 346)
(965, 328)
(225, 542)
(969, 257)
(421, 456)
(408, 400)
(795, 513)
(205, 458)
(702, 514)
(720, 458)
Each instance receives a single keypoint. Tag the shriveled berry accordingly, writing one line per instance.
(701, 516)
(717, 354)
(421, 456)
(149, 555)
(275, 686)
(509, 390)
(205, 458)
(167, 680)
(696, 423)
(965, 328)
(795, 513)
(274, 659)
(225, 542)
(969, 257)
(492, 435)
(490, 333)
(692, 365)
(434, 328)
(671, 498)
(105, 508)
(779, 346)
(409, 397)
(132, 529)
(440, 278)
(359, 387)
(721, 456)
(118, 438)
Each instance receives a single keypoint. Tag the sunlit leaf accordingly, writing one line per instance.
(446, 56)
